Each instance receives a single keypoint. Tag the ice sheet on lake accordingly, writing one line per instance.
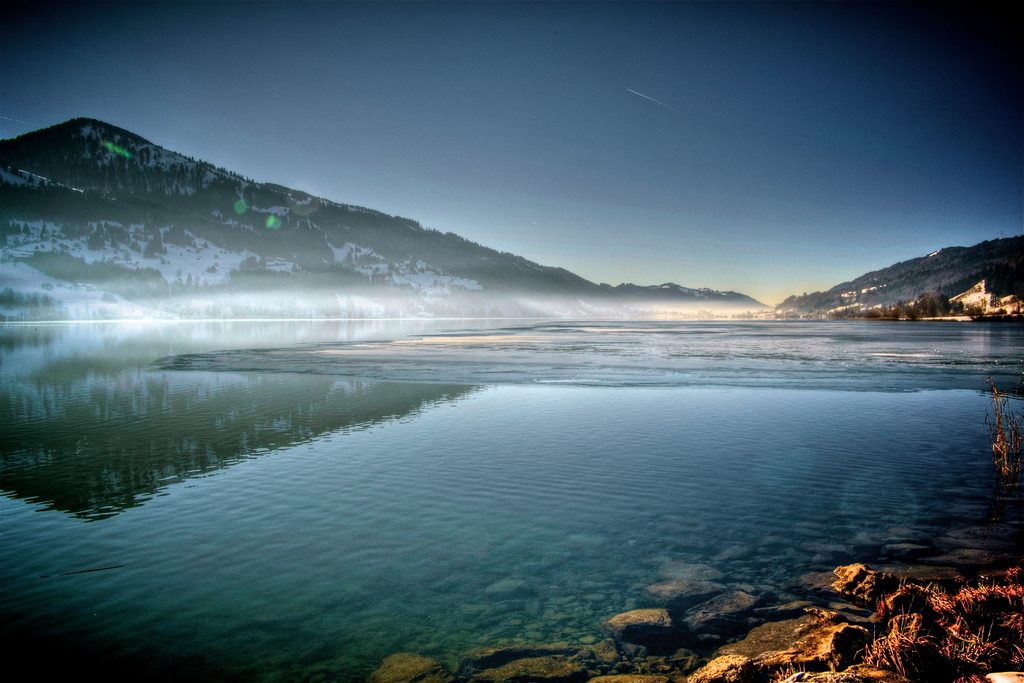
(833, 355)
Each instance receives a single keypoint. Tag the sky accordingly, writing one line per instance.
(767, 148)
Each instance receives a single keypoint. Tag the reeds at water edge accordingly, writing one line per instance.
(1004, 427)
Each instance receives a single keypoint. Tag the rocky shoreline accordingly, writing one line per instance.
(921, 623)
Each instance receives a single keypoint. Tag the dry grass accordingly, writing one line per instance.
(956, 637)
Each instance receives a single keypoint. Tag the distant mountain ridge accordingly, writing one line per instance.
(948, 272)
(93, 213)
(669, 291)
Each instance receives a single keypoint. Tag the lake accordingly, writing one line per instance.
(297, 500)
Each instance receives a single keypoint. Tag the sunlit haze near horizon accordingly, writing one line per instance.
(766, 148)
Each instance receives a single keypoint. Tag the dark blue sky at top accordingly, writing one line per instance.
(797, 145)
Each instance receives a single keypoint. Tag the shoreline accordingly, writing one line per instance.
(700, 630)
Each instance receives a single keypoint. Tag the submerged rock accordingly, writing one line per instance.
(925, 573)
(514, 662)
(787, 610)
(650, 628)
(727, 669)
(631, 678)
(493, 657)
(976, 557)
(534, 669)
(908, 551)
(600, 657)
(816, 582)
(407, 667)
(980, 537)
(679, 569)
(725, 615)
(680, 594)
(676, 664)
(506, 587)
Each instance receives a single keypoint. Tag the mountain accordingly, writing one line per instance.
(98, 221)
(947, 273)
(669, 292)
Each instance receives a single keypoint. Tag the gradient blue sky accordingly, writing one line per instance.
(795, 144)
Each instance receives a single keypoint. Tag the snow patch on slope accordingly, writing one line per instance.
(81, 301)
(417, 274)
(202, 264)
(198, 262)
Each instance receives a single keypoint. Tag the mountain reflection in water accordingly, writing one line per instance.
(98, 449)
(90, 430)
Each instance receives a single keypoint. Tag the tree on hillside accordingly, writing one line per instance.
(155, 246)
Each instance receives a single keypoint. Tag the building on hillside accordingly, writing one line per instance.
(977, 297)
(980, 299)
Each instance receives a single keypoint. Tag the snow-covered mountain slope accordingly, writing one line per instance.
(85, 202)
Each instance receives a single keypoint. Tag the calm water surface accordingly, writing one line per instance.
(290, 501)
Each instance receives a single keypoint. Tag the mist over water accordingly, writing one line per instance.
(292, 500)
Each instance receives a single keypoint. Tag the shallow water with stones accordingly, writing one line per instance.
(288, 500)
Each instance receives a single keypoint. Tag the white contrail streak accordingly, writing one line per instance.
(648, 97)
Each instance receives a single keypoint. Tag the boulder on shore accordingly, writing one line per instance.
(727, 669)
(862, 585)
(775, 636)
(820, 640)
(825, 646)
